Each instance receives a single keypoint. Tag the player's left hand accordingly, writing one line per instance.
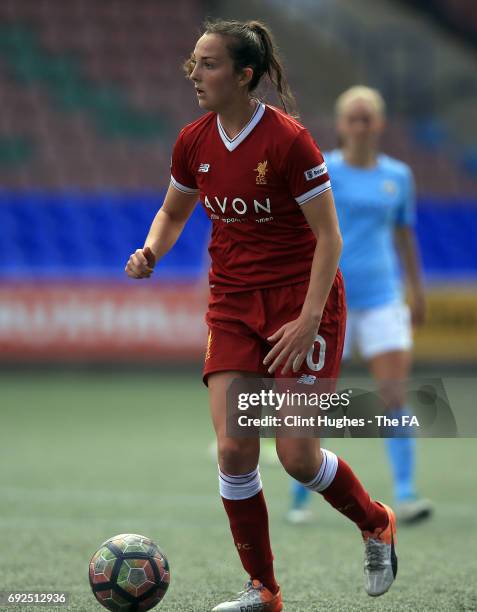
(292, 342)
(418, 308)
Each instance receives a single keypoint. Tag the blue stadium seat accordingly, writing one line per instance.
(446, 237)
(77, 235)
(429, 132)
(89, 235)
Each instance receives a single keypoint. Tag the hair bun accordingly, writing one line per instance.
(255, 27)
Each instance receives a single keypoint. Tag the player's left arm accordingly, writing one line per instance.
(407, 249)
(406, 246)
(294, 339)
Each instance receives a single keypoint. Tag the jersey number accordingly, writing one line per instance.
(317, 366)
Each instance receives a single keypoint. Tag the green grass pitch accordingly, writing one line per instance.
(85, 456)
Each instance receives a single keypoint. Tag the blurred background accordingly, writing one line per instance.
(92, 97)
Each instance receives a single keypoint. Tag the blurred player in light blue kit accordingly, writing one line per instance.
(375, 201)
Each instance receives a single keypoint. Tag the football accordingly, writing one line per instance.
(129, 573)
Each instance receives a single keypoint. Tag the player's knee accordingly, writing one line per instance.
(393, 394)
(236, 456)
(394, 401)
(298, 466)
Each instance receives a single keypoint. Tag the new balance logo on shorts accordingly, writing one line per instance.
(204, 167)
(315, 172)
(307, 379)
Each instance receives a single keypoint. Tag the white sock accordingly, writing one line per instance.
(326, 473)
(240, 487)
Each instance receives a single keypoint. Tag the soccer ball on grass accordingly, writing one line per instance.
(129, 573)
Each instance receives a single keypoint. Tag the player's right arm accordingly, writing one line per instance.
(164, 232)
(169, 221)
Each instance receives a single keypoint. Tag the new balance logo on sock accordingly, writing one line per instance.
(307, 379)
(243, 546)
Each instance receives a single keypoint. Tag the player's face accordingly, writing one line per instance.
(215, 80)
(360, 125)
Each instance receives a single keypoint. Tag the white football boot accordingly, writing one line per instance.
(380, 561)
(254, 598)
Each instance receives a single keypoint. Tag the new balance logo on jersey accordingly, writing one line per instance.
(307, 379)
(204, 167)
(315, 172)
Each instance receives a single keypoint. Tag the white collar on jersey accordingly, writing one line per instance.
(233, 143)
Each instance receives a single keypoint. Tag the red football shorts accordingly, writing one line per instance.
(240, 323)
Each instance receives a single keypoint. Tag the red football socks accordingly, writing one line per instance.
(249, 517)
(348, 496)
(249, 525)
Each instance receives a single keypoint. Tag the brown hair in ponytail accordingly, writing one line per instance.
(251, 44)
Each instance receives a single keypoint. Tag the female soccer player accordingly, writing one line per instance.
(374, 197)
(276, 302)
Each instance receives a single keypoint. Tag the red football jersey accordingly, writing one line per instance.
(251, 187)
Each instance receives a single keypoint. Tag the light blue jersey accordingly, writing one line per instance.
(370, 203)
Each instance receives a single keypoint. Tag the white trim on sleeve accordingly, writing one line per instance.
(182, 188)
(313, 193)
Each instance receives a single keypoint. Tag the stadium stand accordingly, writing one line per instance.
(92, 99)
(91, 95)
(459, 16)
(58, 235)
(428, 81)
